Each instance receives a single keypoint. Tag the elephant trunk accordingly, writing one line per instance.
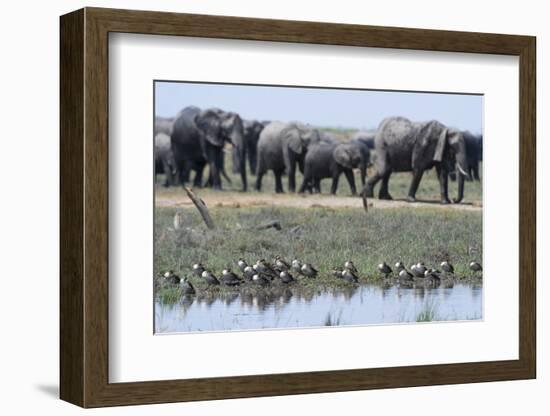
(239, 151)
(363, 170)
(237, 139)
(460, 195)
(462, 175)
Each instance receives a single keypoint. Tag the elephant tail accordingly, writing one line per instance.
(260, 164)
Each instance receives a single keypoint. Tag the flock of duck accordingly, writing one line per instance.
(264, 273)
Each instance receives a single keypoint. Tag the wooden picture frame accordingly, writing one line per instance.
(84, 207)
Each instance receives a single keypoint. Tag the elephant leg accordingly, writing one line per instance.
(259, 177)
(197, 182)
(184, 172)
(279, 182)
(470, 171)
(417, 177)
(475, 171)
(167, 173)
(335, 180)
(351, 180)
(384, 193)
(443, 177)
(317, 185)
(242, 169)
(305, 182)
(234, 160)
(216, 165)
(292, 178)
(214, 179)
(252, 160)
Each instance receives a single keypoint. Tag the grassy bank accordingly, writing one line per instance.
(325, 237)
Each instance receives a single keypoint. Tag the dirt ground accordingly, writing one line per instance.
(239, 199)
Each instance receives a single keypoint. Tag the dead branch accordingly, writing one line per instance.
(201, 206)
(271, 224)
(365, 203)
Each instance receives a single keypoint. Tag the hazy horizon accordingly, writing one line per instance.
(322, 107)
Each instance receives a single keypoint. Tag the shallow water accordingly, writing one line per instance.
(286, 308)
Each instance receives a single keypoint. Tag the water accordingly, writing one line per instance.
(290, 308)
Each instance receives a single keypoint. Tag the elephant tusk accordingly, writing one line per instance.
(462, 170)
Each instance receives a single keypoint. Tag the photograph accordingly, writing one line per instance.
(286, 207)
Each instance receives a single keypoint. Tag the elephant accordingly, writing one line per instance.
(474, 153)
(252, 130)
(163, 125)
(198, 138)
(281, 147)
(324, 137)
(404, 146)
(330, 160)
(365, 137)
(164, 158)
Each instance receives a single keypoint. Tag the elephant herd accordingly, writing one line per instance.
(197, 138)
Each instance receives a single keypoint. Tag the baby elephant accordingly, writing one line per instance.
(330, 160)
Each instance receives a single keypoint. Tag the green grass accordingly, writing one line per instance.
(325, 237)
(428, 313)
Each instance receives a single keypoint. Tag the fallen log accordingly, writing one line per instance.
(268, 225)
(201, 206)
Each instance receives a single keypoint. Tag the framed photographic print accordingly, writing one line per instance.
(255, 207)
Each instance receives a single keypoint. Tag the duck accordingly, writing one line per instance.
(308, 270)
(198, 269)
(421, 269)
(187, 287)
(296, 266)
(260, 279)
(209, 278)
(248, 273)
(384, 269)
(338, 273)
(171, 278)
(242, 264)
(399, 266)
(475, 266)
(432, 277)
(281, 264)
(447, 267)
(229, 278)
(265, 268)
(348, 265)
(350, 276)
(405, 276)
(286, 277)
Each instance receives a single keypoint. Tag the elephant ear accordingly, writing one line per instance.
(440, 146)
(209, 123)
(343, 155)
(293, 139)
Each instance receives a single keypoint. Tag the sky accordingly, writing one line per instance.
(339, 108)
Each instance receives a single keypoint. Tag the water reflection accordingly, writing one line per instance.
(291, 307)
